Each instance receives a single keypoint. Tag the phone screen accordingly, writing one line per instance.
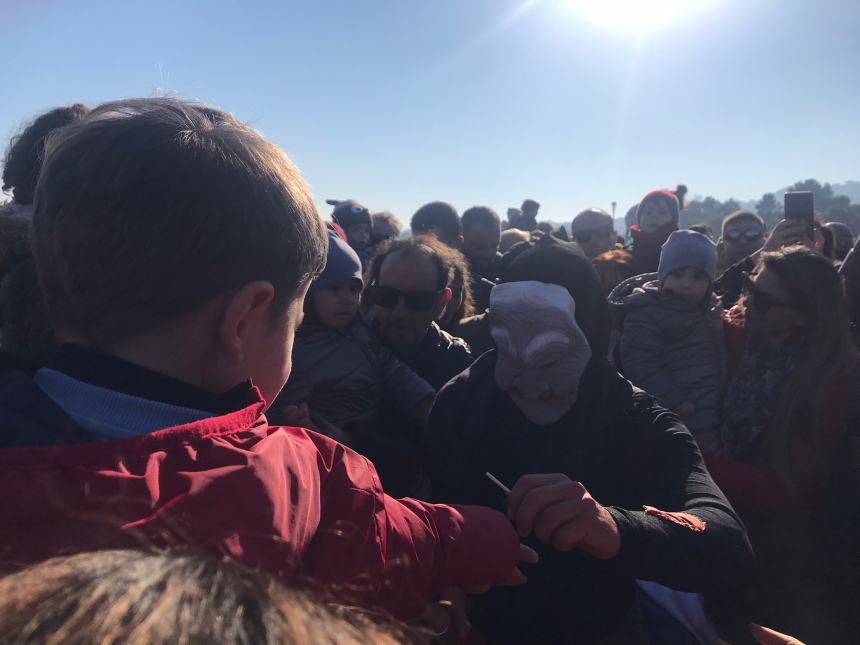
(800, 206)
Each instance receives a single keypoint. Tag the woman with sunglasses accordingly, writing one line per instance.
(784, 429)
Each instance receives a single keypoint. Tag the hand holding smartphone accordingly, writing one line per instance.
(800, 207)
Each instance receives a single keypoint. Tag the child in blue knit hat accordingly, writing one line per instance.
(672, 342)
(341, 374)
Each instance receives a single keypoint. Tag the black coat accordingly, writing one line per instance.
(628, 453)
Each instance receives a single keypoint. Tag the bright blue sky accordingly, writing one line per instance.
(399, 102)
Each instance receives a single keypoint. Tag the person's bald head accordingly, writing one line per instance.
(594, 230)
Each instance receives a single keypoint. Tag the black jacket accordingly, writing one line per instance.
(439, 357)
(628, 453)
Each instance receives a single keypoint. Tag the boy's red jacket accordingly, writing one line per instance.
(286, 500)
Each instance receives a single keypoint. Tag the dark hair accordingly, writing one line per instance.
(529, 202)
(149, 208)
(440, 219)
(461, 282)
(680, 192)
(480, 216)
(126, 596)
(731, 218)
(27, 149)
(592, 211)
(423, 245)
(704, 229)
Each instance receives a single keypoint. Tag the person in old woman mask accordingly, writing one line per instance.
(606, 485)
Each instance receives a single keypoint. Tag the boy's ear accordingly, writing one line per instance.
(246, 310)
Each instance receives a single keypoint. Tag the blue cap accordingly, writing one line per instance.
(341, 264)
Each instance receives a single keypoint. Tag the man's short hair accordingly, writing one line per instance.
(439, 218)
(480, 216)
(593, 211)
(388, 217)
(529, 202)
(149, 208)
(731, 218)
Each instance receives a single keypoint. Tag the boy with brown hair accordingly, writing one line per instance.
(175, 246)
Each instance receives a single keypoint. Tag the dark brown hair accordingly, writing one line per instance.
(114, 597)
(427, 245)
(149, 208)
(440, 219)
(827, 348)
(480, 216)
(462, 303)
(26, 150)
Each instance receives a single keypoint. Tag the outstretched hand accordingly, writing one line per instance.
(560, 512)
(527, 556)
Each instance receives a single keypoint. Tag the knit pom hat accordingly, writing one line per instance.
(667, 196)
(348, 213)
(687, 249)
(341, 264)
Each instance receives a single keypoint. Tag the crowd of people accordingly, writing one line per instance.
(227, 419)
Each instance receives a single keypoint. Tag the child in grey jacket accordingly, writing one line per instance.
(672, 342)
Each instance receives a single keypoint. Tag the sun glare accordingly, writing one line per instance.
(634, 15)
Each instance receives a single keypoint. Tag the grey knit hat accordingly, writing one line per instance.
(686, 248)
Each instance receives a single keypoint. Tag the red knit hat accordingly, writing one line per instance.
(668, 196)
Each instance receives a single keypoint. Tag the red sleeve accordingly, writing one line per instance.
(400, 554)
(748, 485)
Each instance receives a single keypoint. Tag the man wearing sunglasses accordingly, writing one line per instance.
(742, 235)
(408, 290)
(730, 284)
(594, 231)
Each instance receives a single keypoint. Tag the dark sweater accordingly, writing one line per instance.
(629, 453)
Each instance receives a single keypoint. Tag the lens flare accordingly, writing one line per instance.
(634, 15)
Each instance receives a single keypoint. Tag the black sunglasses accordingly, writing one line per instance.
(585, 236)
(751, 234)
(388, 297)
(761, 301)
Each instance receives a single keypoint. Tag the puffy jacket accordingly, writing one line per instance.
(344, 375)
(287, 500)
(671, 348)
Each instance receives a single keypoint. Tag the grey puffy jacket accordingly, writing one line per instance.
(673, 349)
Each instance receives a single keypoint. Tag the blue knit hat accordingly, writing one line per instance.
(341, 264)
(688, 249)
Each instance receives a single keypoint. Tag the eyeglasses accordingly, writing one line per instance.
(388, 297)
(750, 234)
(585, 236)
(762, 301)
